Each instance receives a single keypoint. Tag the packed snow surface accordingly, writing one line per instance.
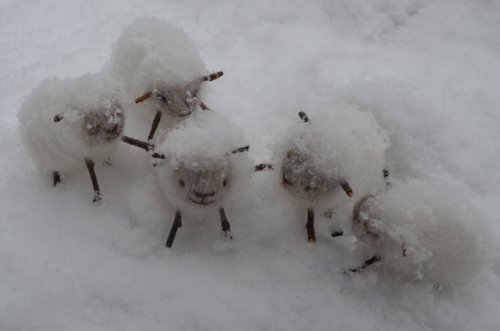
(427, 73)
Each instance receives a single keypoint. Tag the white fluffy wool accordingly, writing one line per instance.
(446, 240)
(154, 54)
(64, 145)
(203, 143)
(340, 144)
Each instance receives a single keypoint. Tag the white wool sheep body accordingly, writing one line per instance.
(331, 157)
(199, 170)
(424, 232)
(158, 63)
(65, 121)
(335, 147)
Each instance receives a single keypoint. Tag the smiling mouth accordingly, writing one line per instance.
(202, 202)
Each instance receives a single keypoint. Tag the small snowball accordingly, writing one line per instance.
(89, 119)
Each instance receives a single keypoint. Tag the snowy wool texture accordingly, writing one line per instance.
(340, 144)
(89, 102)
(445, 239)
(198, 152)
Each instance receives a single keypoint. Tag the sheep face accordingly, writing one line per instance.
(178, 100)
(101, 127)
(202, 184)
(301, 178)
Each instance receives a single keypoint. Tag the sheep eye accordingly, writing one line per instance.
(224, 182)
(181, 183)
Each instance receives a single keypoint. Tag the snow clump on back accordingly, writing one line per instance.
(153, 53)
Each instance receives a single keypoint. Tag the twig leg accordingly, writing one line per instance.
(56, 176)
(93, 178)
(367, 263)
(138, 143)
(173, 231)
(154, 126)
(226, 227)
(311, 236)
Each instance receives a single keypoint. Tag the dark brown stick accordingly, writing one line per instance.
(303, 116)
(154, 126)
(138, 143)
(264, 166)
(213, 76)
(93, 178)
(226, 227)
(367, 263)
(203, 106)
(56, 178)
(347, 188)
(173, 231)
(241, 149)
(311, 236)
(143, 97)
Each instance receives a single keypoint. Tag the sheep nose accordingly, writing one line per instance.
(204, 195)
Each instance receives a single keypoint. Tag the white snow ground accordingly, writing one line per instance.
(428, 70)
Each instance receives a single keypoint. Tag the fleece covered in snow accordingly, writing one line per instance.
(158, 58)
(64, 121)
(202, 165)
(336, 146)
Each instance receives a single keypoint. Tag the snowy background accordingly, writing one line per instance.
(428, 71)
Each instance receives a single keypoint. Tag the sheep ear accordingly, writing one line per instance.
(240, 149)
(158, 156)
(347, 188)
(303, 116)
(143, 97)
(212, 76)
(263, 166)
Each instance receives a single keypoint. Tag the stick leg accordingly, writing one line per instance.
(154, 126)
(367, 263)
(138, 143)
(56, 176)
(93, 178)
(226, 227)
(173, 231)
(311, 236)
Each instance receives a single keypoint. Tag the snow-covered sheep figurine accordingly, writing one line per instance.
(337, 155)
(66, 123)
(199, 164)
(421, 231)
(160, 67)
